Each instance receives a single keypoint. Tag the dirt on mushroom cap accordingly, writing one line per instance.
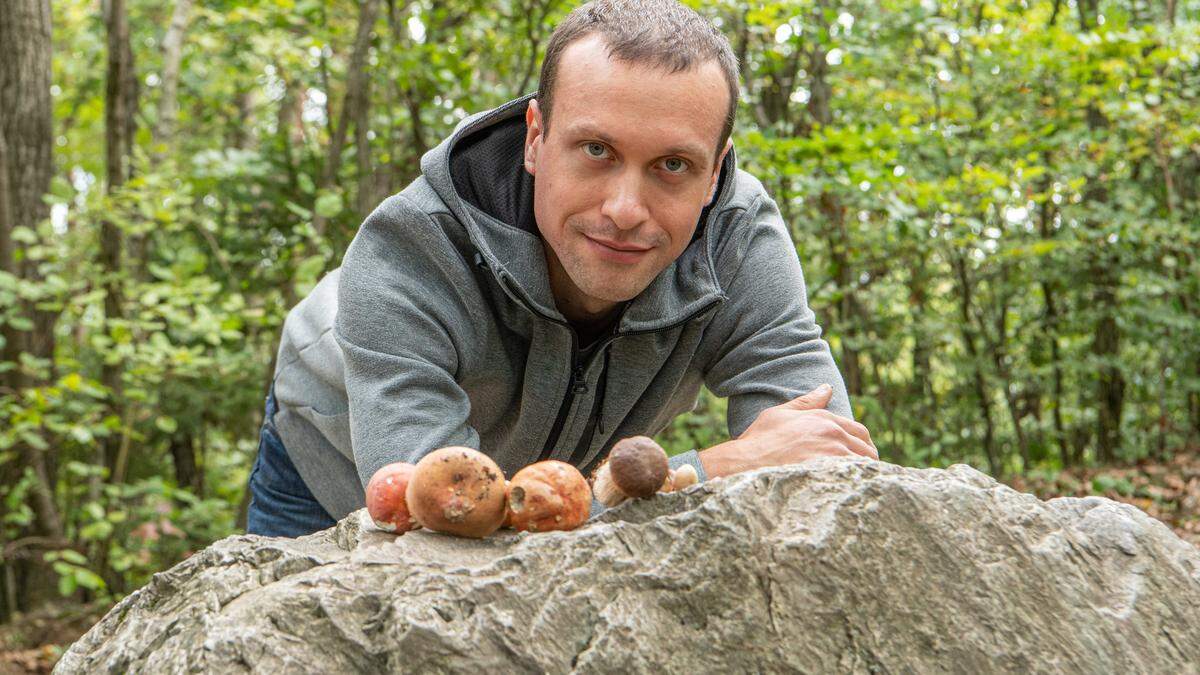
(454, 490)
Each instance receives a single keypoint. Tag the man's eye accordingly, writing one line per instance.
(596, 150)
(675, 165)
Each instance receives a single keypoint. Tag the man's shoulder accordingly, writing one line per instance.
(413, 223)
(738, 212)
(746, 192)
(416, 206)
(421, 195)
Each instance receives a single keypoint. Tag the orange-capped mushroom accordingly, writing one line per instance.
(548, 495)
(458, 490)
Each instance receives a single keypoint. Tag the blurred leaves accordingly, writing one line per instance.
(977, 193)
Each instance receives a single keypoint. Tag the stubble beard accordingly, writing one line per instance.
(596, 279)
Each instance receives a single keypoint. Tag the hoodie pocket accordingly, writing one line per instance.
(335, 428)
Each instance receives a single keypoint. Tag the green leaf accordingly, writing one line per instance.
(72, 556)
(94, 510)
(24, 235)
(298, 210)
(167, 425)
(328, 205)
(98, 530)
(66, 584)
(82, 434)
(89, 579)
(21, 323)
(307, 186)
(71, 381)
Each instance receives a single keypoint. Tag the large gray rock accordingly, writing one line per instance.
(829, 566)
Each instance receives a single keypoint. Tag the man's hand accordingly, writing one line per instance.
(789, 433)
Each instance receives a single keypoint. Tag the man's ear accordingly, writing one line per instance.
(533, 135)
(712, 186)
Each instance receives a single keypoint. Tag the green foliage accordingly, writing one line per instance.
(995, 205)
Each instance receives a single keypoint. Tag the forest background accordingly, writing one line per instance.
(996, 204)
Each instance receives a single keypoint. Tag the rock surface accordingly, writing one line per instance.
(830, 566)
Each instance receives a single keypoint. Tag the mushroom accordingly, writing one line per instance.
(635, 469)
(387, 501)
(549, 495)
(680, 478)
(458, 490)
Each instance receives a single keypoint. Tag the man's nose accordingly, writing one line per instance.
(625, 205)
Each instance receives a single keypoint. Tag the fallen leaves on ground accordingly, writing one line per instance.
(1167, 490)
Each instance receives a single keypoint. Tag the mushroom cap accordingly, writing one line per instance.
(457, 490)
(387, 501)
(638, 466)
(548, 495)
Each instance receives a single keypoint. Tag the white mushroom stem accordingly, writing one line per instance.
(668, 483)
(605, 489)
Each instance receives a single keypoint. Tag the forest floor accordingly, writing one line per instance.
(1168, 491)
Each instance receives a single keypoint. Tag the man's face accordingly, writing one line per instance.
(623, 173)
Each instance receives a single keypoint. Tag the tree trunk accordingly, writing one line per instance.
(356, 97)
(1182, 275)
(1106, 345)
(163, 131)
(1051, 323)
(839, 247)
(1106, 337)
(980, 380)
(183, 455)
(820, 113)
(26, 136)
(118, 127)
(365, 197)
(1006, 383)
(921, 391)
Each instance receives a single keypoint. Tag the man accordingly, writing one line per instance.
(568, 271)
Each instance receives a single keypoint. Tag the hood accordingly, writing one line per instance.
(479, 173)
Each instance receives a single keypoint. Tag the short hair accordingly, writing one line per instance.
(661, 33)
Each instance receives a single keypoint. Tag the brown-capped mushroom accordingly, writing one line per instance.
(635, 469)
(458, 490)
(548, 495)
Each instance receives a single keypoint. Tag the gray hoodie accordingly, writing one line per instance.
(440, 329)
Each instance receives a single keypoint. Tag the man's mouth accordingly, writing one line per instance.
(621, 247)
(616, 251)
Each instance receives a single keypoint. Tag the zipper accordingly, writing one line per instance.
(577, 384)
(594, 418)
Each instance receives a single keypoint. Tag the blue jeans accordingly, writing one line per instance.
(281, 505)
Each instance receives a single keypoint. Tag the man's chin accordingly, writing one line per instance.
(614, 294)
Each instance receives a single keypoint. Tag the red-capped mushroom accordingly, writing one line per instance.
(387, 501)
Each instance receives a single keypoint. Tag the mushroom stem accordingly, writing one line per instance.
(605, 489)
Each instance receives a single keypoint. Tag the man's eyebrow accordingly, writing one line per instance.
(689, 149)
(587, 129)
